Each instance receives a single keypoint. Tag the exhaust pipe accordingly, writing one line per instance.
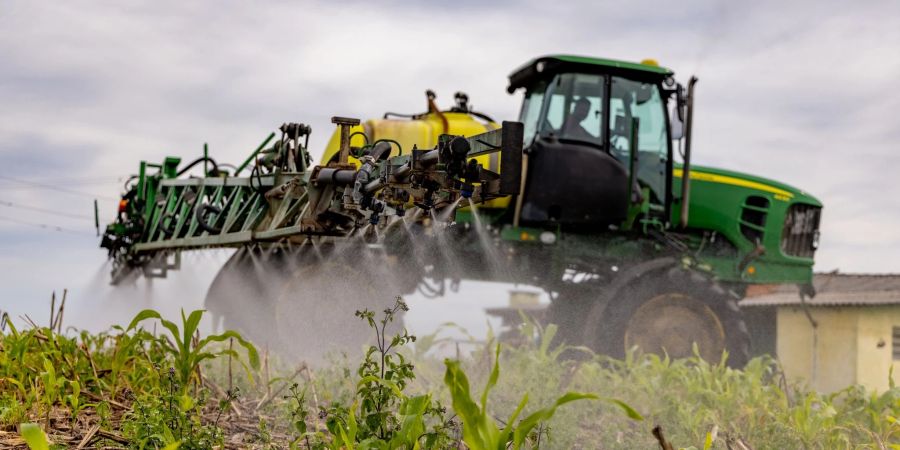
(686, 170)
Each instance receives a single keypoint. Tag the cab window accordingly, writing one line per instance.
(575, 108)
(629, 100)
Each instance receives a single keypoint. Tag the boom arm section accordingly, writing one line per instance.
(284, 201)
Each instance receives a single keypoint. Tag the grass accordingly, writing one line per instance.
(132, 388)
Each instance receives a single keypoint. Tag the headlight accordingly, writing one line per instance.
(548, 237)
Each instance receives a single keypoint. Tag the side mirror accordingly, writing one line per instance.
(676, 103)
(676, 123)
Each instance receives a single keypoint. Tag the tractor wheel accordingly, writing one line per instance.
(567, 312)
(669, 313)
(315, 310)
(242, 293)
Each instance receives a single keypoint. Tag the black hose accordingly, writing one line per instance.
(201, 218)
(405, 116)
(360, 133)
(228, 166)
(169, 229)
(257, 171)
(482, 116)
(215, 169)
(129, 180)
(390, 141)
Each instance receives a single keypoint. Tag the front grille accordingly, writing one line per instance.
(800, 236)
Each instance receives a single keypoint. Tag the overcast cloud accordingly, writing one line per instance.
(802, 92)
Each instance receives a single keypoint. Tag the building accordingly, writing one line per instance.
(849, 333)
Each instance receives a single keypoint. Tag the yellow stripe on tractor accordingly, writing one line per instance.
(780, 194)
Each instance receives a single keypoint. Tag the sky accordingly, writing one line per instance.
(802, 92)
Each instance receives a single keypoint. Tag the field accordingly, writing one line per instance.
(156, 383)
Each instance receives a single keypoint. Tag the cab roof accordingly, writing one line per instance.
(552, 64)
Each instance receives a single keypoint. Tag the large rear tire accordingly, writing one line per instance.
(242, 293)
(669, 312)
(314, 312)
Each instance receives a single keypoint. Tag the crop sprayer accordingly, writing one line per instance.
(591, 195)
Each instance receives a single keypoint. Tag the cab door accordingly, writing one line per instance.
(573, 179)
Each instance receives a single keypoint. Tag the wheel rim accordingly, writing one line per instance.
(672, 323)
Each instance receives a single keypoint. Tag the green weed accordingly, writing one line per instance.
(189, 351)
(170, 417)
(381, 415)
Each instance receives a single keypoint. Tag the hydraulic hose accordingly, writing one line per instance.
(215, 167)
(202, 213)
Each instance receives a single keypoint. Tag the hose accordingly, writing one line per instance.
(229, 166)
(365, 138)
(128, 181)
(390, 141)
(201, 218)
(257, 171)
(199, 160)
(168, 230)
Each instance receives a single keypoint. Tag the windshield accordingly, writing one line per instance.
(573, 110)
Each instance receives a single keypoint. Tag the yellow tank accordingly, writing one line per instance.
(420, 132)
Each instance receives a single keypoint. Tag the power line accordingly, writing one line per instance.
(46, 211)
(57, 188)
(105, 179)
(6, 184)
(43, 225)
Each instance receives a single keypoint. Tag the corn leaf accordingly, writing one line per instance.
(34, 436)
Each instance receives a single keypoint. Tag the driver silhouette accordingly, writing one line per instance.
(572, 127)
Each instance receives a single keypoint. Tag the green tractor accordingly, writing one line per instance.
(668, 248)
(590, 196)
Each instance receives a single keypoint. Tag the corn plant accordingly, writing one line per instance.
(128, 360)
(53, 385)
(73, 400)
(34, 436)
(481, 431)
(188, 354)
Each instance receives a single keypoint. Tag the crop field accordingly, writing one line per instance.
(155, 383)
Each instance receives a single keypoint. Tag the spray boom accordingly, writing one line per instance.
(284, 201)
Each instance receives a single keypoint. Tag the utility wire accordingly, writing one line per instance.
(80, 180)
(43, 225)
(46, 211)
(57, 188)
(6, 184)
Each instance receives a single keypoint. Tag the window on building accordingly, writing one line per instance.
(895, 343)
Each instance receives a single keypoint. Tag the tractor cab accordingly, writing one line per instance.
(597, 138)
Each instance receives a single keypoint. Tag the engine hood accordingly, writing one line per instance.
(779, 190)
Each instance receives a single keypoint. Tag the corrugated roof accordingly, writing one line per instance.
(836, 289)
